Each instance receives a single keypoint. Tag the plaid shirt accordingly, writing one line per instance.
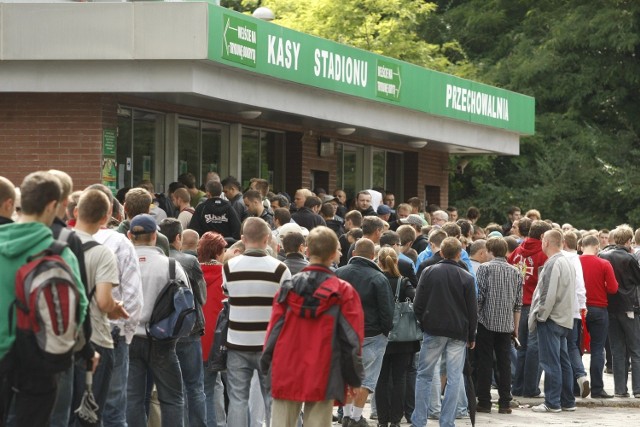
(499, 295)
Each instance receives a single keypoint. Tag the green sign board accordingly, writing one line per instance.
(245, 42)
(109, 171)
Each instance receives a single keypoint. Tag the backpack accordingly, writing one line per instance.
(174, 313)
(165, 204)
(48, 311)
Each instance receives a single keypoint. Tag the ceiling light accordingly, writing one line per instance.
(345, 131)
(264, 13)
(250, 114)
(418, 143)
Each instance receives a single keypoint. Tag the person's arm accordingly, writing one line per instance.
(234, 223)
(581, 291)
(385, 302)
(517, 306)
(548, 293)
(472, 311)
(72, 262)
(611, 283)
(420, 300)
(482, 281)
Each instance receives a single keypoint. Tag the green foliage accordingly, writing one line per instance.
(386, 27)
(579, 59)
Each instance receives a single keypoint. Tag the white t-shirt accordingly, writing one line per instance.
(102, 267)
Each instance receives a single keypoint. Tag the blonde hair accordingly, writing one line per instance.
(388, 261)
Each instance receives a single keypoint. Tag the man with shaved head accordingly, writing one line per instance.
(7, 200)
(377, 303)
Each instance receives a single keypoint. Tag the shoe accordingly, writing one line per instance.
(504, 410)
(362, 422)
(603, 395)
(335, 418)
(373, 416)
(382, 425)
(394, 425)
(608, 370)
(583, 384)
(544, 408)
(483, 409)
(621, 395)
(346, 421)
(569, 409)
(540, 395)
(636, 395)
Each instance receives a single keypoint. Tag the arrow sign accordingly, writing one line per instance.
(240, 40)
(388, 80)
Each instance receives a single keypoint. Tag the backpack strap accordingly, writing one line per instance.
(85, 248)
(172, 269)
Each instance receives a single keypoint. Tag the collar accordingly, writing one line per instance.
(256, 252)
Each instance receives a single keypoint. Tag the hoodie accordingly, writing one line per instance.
(528, 258)
(18, 241)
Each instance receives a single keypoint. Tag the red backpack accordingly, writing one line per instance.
(48, 311)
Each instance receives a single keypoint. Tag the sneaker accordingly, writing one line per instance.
(603, 395)
(346, 421)
(544, 408)
(636, 395)
(362, 422)
(540, 395)
(483, 409)
(504, 410)
(621, 395)
(569, 409)
(608, 370)
(374, 416)
(583, 384)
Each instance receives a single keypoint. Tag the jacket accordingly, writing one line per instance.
(445, 302)
(295, 262)
(555, 295)
(528, 258)
(407, 292)
(212, 272)
(161, 241)
(627, 271)
(375, 294)
(217, 215)
(307, 218)
(18, 241)
(314, 339)
(198, 286)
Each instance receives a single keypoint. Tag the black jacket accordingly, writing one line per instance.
(307, 218)
(4, 220)
(627, 271)
(446, 302)
(368, 212)
(216, 215)
(375, 294)
(407, 291)
(421, 243)
(406, 269)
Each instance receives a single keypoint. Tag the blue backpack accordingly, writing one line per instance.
(174, 312)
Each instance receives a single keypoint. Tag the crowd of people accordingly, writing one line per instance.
(309, 287)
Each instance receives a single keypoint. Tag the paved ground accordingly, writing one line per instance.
(616, 412)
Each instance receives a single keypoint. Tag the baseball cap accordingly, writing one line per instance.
(414, 219)
(384, 210)
(143, 224)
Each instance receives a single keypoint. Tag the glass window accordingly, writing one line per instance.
(263, 157)
(199, 145)
(140, 148)
(379, 169)
(211, 148)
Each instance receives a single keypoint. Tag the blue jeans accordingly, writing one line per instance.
(526, 380)
(101, 379)
(454, 354)
(240, 368)
(624, 335)
(161, 359)
(373, 349)
(189, 352)
(573, 348)
(62, 408)
(115, 408)
(554, 360)
(598, 326)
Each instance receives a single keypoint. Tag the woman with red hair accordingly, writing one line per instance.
(211, 248)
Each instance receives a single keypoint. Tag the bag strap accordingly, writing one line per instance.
(85, 247)
(172, 269)
(398, 283)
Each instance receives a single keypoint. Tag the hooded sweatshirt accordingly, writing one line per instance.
(18, 241)
(528, 258)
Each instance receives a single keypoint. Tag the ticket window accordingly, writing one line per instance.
(388, 171)
(199, 148)
(263, 157)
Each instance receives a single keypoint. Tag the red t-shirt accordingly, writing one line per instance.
(213, 305)
(599, 280)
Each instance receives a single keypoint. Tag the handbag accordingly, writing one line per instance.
(217, 361)
(405, 324)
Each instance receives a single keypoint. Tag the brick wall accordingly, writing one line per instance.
(52, 131)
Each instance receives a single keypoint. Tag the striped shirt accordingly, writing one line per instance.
(252, 281)
(499, 295)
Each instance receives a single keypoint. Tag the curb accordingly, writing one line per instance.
(615, 402)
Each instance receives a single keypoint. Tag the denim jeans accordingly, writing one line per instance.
(454, 354)
(189, 352)
(257, 414)
(624, 335)
(373, 349)
(115, 408)
(64, 398)
(240, 368)
(161, 359)
(554, 360)
(598, 326)
(410, 387)
(214, 393)
(573, 347)
(527, 378)
(101, 379)
(27, 397)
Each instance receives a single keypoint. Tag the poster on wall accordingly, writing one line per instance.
(183, 167)
(109, 166)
